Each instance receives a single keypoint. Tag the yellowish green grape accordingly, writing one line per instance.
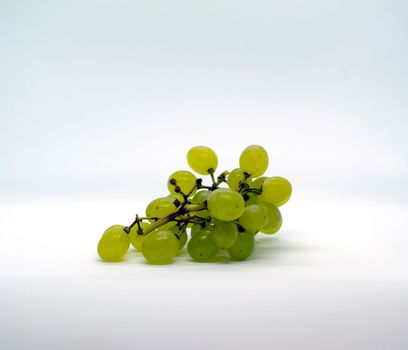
(202, 159)
(181, 235)
(209, 226)
(225, 233)
(184, 179)
(254, 160)
(159, 208)
(254, 218)
(235, 177)
(225, 204)
(159, 247)
(243, 246)
(175, 196)
(276, 190)
(274, 222)
(201, 246)
(135, 239)
(195, 228)
(113, 244)
(183, 238)
(199, 198)
(258, 182)
(251, 198)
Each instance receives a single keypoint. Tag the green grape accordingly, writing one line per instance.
(225, 233)
(195, 228)
(254, 218)
(201, 246)
(201, 196)
(243, 246)
(208, 226)
(183, 238)
(258, 182)
(175, 196)
(202, 159)
(184, 179)
(235, 177)
(159, 247)
(181, 235)
(113, 244)
(160, 208)
(254, 160)
(113, 227)
(252, 198)
(276, 190)
(198, 198)
(274, 222)
(135, 239)
(225, 204)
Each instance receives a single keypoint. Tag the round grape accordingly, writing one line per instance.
(202, 159)
(201, 246)
(195, 228)
(160, 208)
(251, 198)
(274, 221)
(135, 239)
(159, 247)
(254, 218)
(225, 204)
(258, 182)
(199, 198)
(243, 246)
(176, 196)
(225, 233)
(276, 190)
(113, 244)
(184, 179)
(236, 177)
(181, 235)
(254, 160)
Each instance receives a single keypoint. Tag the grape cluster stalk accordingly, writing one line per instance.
(223, 216)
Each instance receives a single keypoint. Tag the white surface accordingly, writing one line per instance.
(99, 103)
(335, 277)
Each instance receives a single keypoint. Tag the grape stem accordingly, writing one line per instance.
(253, 190)
(211, 172)
(220, 179)
(188, 208)
(136, 221)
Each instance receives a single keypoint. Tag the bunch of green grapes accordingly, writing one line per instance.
(224, 216)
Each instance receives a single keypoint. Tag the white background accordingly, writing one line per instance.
(99, 103)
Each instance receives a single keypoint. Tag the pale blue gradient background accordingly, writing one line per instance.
(102, 98)
(99, 102)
